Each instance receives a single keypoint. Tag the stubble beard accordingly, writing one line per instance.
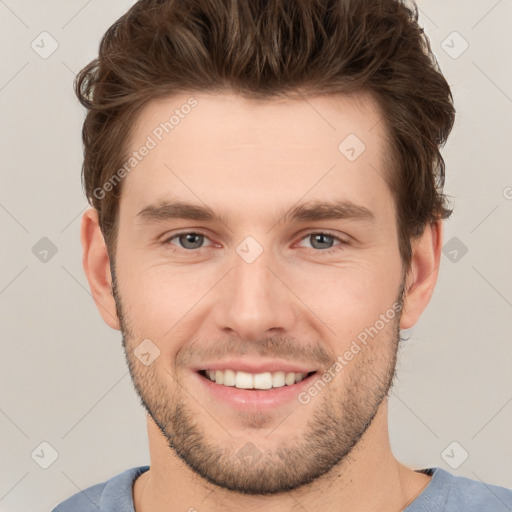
(339, 418)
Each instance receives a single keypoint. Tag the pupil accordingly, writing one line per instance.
(322, 239)
(187, 239)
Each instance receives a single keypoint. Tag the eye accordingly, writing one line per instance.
(324, 241)
(189, 240)
(193, 241)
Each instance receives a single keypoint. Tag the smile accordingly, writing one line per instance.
(246, 380)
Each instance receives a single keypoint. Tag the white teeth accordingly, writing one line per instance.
(289, 379)
(229, 378)
(278, 379)
(245, 380)
(262, 380)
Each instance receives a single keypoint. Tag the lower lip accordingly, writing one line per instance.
(259, 399)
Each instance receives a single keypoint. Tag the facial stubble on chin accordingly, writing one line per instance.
(336, 424)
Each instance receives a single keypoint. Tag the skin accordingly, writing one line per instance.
(250, 162)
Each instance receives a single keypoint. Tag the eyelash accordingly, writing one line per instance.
(337, 247)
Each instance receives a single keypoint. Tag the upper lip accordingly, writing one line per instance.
(259, 366)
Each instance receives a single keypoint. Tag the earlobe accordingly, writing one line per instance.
(96, 263)
(422, 276)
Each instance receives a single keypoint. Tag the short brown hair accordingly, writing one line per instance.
(262, 49)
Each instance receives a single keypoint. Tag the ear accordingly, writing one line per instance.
(422, 276)
(96, 263)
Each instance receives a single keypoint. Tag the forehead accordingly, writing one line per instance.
(231, 119)
(226, 147)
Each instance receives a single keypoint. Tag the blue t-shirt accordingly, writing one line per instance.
(444, 493)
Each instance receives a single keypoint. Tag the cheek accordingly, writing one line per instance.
(161, 302)
(164, 302)
(351, 297)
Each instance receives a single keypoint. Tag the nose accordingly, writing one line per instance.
(254, 300)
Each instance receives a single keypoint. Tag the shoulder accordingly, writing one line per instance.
(451, 493)
(477, 496)
(106, 496)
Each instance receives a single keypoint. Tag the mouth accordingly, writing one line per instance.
(254, 381)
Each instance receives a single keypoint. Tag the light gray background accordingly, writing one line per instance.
(62, 372)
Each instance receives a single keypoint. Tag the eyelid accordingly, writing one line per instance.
(303, 235)
(341, 240)
(168, 237)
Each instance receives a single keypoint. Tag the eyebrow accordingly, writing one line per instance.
(328, 210)
(309, 211)
(168, 210)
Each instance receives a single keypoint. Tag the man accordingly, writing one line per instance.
(267, 208)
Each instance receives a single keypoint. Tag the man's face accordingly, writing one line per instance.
(257, 290)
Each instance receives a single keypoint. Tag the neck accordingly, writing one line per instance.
(369, 479)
